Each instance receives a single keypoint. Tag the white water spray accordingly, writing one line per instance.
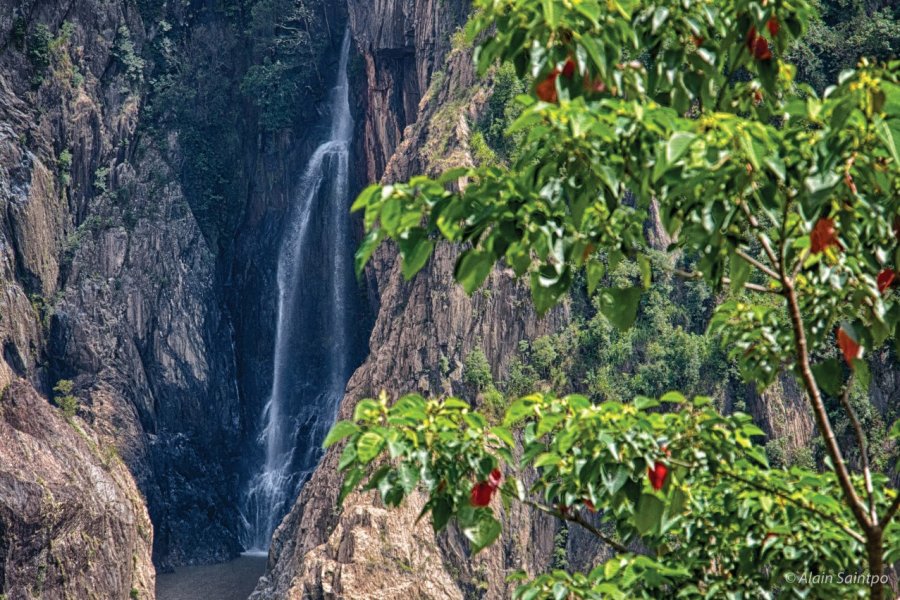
(323, 201)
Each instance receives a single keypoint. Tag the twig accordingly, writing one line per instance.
(863, 449)
(757, 264)
(755, 287)
(754, 222)
(891, 511)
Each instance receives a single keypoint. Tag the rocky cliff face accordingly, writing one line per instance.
(116, 268)
(109, 282)
(72, 522)
(365, 550)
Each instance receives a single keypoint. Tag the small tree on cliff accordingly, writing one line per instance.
(782, 200)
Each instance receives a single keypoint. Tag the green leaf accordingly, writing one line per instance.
(518, 410)
(505, 435)
(739, 272)
(659, 18)
(366, 409)
(648, 513)
(678, 145)
(620, 306)
(440, 514)
(351, 480)
(368, 446)
(643, 403)
(829, 375)
(366, 248)
(482, 532)
(472, 269)
(673, 397)
(408, 476)
(595, 271)
(341, 430)
(365, 197)
(887, 136)
(415, 255)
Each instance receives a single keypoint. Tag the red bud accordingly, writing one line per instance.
(773, 26)
(568, 69)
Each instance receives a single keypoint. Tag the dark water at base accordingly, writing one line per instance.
(233, 580)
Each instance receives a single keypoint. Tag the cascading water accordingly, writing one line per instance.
(314, 336)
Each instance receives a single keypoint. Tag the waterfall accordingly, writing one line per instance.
(313, 339)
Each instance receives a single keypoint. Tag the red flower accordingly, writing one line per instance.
(850, 348)
(568, 69)
(657, 474)
(482, 493)
(885, 280)
(773, 26)
(823, 235)
(698, 41)
(589, 505)
(546, 90)
(494, 478)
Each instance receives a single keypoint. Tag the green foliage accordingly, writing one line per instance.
(476, 370)
(290, 39)
(124, 51)
(784, 202)
(64, 399)
(204, 87)
(19, 31)
(501, 111)
(844, 31)
(767, 523)
(64, 166)
(38, 52)
(482, 153)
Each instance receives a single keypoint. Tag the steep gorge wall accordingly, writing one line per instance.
(113, 272)
(365, 550)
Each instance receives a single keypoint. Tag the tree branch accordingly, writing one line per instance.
(757, 264)
(754, 287)
(819, 412)
(574, 517)
(891, 511)
(796, 502)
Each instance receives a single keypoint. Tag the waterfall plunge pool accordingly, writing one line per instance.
(233, 580)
